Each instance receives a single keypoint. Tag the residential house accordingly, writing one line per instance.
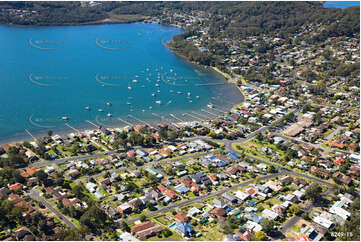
(229, 197)
(185, 229)
(218, 212)
(136, 203)
(218, 203)
(270, 214)
(242, 196)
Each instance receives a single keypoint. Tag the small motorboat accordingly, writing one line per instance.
(129, 87)
(128, 103)
(100, 110)
(65, 118)
(87, 108)
(197, 96)
(157, 85)
(188, 94)
(109, 115)
(150, 107)
(135, 81)
(109, 104)
(158, 102)
(210, 105)
(153, 94)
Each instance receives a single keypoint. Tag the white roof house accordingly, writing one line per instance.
(172, 148)
(241, 195)
(322, 221)
(253, 226)
(269, 214)
(340, 212)
(49, 169)
(193, 211)
(299, 194)
(91, 186)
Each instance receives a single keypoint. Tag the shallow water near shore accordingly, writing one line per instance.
(96, 75)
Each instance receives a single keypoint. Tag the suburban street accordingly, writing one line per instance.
(150, 164)
(228, 147)
(35, 193)
(216, 193)
(292, 221)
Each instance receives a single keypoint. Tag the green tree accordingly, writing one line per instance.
(313, 192)
(259, 236)
(294, 209)
(268, 226)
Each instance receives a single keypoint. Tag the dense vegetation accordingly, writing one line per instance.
(237, 20)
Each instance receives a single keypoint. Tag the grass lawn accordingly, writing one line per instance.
(269, 203)
(189, 206)
(175, 236)
(226, 75)
(102, 191)
(75, 222)
(164, 219)
(209, 231)
(137, 215)
(297, 226)
(290, 235)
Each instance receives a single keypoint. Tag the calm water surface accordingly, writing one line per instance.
(52, 72)
(341, 4)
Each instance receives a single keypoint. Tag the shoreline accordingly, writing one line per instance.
(89, 23)
(19, 138)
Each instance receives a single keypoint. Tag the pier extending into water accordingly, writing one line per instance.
(92, 123)
(126, 122)
(139, 120)
(172, 115)
(32, 136)
(216, 115)
(203, 117)
(76, 130)
(190, 115)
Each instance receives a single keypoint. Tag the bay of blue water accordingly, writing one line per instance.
(341, 4)
(52, 72)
